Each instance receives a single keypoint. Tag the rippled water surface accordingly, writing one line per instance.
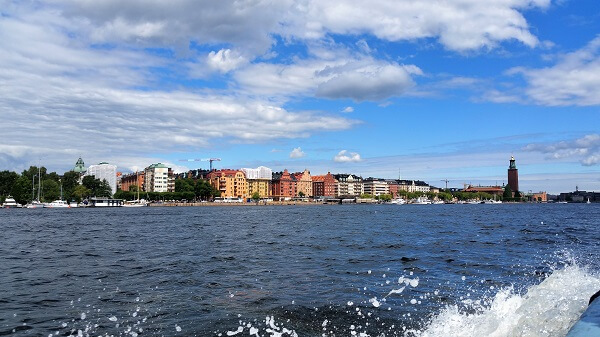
(332, 270)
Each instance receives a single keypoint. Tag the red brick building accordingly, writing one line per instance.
(324, 186)
(136, 179)
(513, 176)
(283, 185)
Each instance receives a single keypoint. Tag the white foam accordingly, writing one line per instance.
(547, 309)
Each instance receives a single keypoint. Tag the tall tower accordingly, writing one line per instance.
(513, 175)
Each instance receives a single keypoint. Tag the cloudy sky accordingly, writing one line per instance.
(428, 90)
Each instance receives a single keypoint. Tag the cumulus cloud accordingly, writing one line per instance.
(341, 76)
(585, 149)
(348, 109)
(225, 60)
(297, 153)
(573, 80)
(347, 157)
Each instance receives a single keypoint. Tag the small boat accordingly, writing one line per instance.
(437, 202)
(491, 202)
(588, 201)
(136, 203)
(34, 204)
(10, 202)
(422, 201)
(398, 201)
(57, 204)
(561, 202)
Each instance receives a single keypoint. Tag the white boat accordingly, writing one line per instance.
(422, 201)
(73, 204)
(136, 203)
(562, 202)
(57, 204)
(36, 203)
(588, 201)
(9, 202)
(438, 202)
(492, 201)
(398, 201)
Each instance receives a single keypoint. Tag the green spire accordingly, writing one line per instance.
(79, 166)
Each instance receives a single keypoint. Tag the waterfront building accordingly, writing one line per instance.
(493, 190)
(324, 185)
(260, 172)
(348, 185)
(579, 196)
(119, 176)
(159, 178)
(304, 183)
(283, 185)
(133, 179)
(262, 186)
(539, 197)
(376, 186)
(231, 183)
(104, 171)
(393, 186)
(513, 176)
(413, 186)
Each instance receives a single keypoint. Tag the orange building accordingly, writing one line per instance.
(324, 186)
(284, 185)
(493, 190)
(231, 183)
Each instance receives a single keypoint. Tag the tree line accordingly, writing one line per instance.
(24, 187)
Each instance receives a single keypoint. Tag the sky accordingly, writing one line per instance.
(427, 90)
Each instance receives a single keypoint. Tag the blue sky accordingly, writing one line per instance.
(415, 89)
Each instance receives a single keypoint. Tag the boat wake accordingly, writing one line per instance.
(549, 308)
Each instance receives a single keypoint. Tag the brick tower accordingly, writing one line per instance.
(513, 176)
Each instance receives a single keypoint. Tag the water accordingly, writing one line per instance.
(355, 270)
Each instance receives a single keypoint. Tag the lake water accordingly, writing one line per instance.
(337, 270)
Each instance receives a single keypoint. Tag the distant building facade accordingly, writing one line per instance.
(231, 183)
(304, 183)
(259, 180)
(413, 186)
(159, 178)
(376, 186)
(133, 179)
(104, 171)
(493, 190)
(324, 185)
(283, 185)
(348, 185)
(260, 172)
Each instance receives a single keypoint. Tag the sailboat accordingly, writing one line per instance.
(138, 202)
(588, 201)
(36, 203)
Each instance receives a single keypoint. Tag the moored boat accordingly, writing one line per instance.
(10, 202)
(57, 204)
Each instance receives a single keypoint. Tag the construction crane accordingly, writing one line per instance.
(210, 160)
(446, 181)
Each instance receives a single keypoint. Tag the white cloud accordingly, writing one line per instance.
(573, 80)
(225, 60)
(297, 153)
(342, 76)
(348, 109)
(585, 149)
(346, 157)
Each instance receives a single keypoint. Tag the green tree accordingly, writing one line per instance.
(385, 197)
(184, 185)
(21, 190)
(517, 196)
(507, 195)
(50, 190)
(301, 194)
(256, 196)
(80, 192)
(366, 196)
(69, 180)
(104, 189)
(7, 180)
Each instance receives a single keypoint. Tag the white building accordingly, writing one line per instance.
(159, 178)
(376, 187)
(104, 171)
(348, 185)
(260, 172)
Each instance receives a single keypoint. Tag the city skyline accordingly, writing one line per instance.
(388, 89)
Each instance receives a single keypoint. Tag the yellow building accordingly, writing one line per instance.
(262, 186)
(231, 183)
(304, 183)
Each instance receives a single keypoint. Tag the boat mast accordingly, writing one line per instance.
(39, 183)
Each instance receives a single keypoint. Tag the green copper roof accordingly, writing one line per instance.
(79, 166)
(158, 165)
